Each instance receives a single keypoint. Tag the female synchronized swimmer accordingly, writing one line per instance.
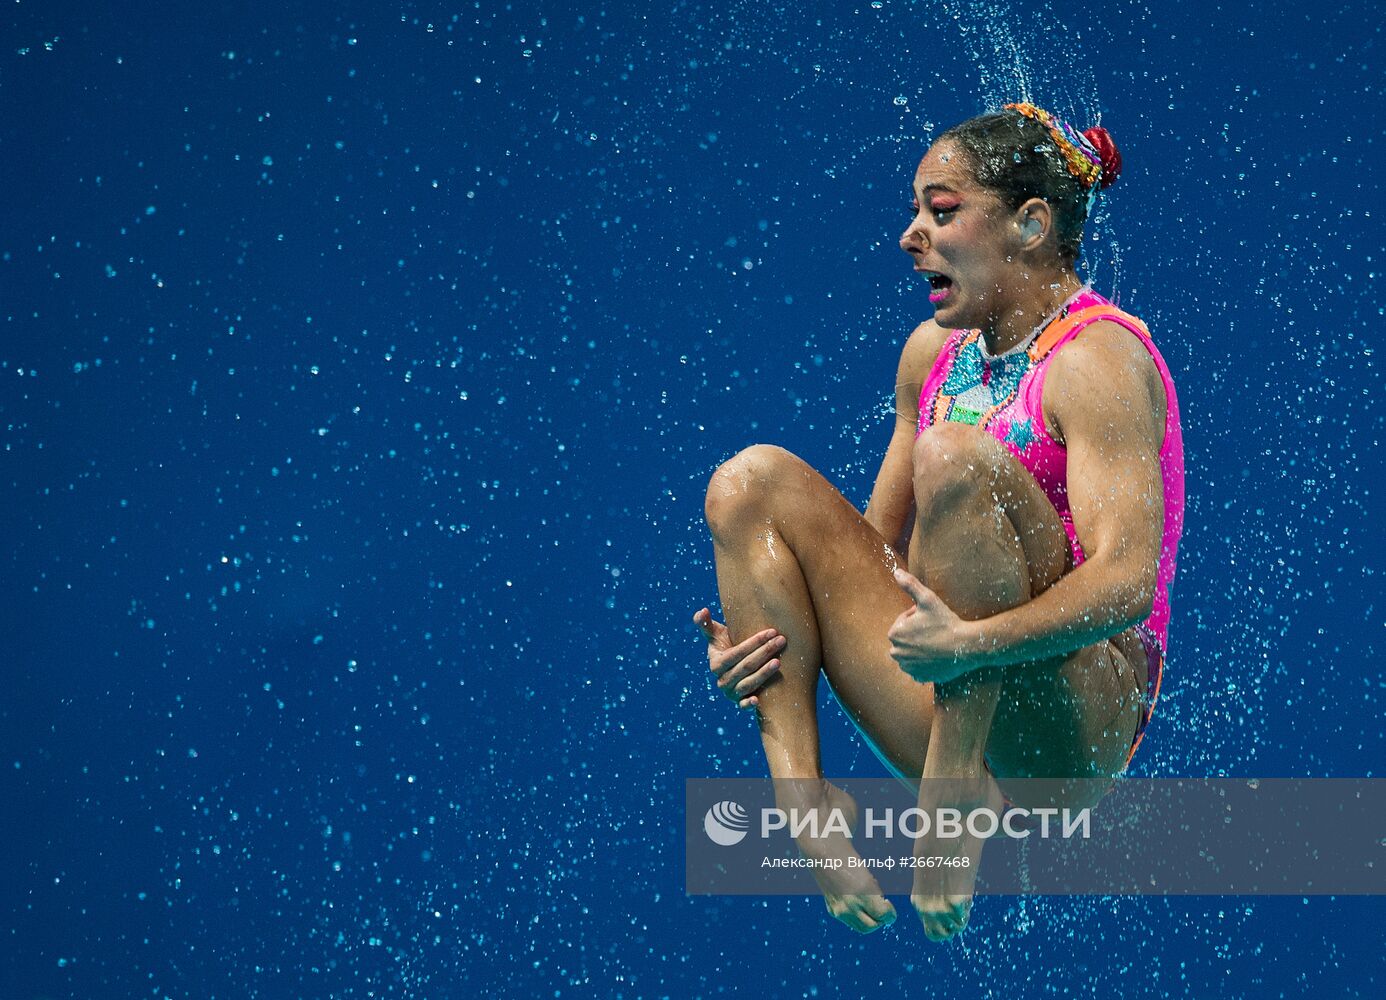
(1033, 486)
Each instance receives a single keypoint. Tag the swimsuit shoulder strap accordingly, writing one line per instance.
(1060, 333)
(1056, 333)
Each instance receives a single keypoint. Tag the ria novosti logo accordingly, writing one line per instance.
(726, 823)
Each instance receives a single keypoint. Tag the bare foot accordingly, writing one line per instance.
(852, 894)
(947, 866)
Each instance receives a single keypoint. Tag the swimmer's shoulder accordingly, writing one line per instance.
(1106, 361)
(920, 352)
(917, 359)
(1104, 353)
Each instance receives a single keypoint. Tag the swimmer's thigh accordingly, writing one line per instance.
(847, 567)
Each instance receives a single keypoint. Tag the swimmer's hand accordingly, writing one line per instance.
(745, 668)
(927, 639)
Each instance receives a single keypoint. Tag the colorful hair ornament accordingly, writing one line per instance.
(1091, 156)
(1107, 151)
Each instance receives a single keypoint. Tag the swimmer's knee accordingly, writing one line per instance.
(951, 462)
(743, 485)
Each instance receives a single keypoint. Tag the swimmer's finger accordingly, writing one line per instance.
(723, 660)
(750, 702)
(712, 628)
(753, 683)
(748, 660)
(734, 671)
(731, 673)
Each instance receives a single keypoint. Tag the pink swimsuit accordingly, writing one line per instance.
(1002, 395)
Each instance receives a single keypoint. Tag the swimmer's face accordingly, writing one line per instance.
(961, 239)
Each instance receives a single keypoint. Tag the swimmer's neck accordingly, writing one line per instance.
(1041, 297)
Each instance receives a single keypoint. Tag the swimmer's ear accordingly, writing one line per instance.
(1033, 221)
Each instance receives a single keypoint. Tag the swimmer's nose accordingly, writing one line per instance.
(912, 239)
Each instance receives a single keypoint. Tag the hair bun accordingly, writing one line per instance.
(1111, 156)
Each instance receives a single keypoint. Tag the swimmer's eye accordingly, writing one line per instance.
(914, 207)
(940, 211)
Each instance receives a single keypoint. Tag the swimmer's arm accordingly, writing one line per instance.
(891, 507)
(1101, 392)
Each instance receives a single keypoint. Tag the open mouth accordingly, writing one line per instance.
(940, 285)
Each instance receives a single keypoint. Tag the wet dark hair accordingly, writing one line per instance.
(1016, 157)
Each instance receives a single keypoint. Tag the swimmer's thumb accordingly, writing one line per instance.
(910, 584)
(710, 626)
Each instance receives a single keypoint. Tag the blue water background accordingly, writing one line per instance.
(361, 370)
